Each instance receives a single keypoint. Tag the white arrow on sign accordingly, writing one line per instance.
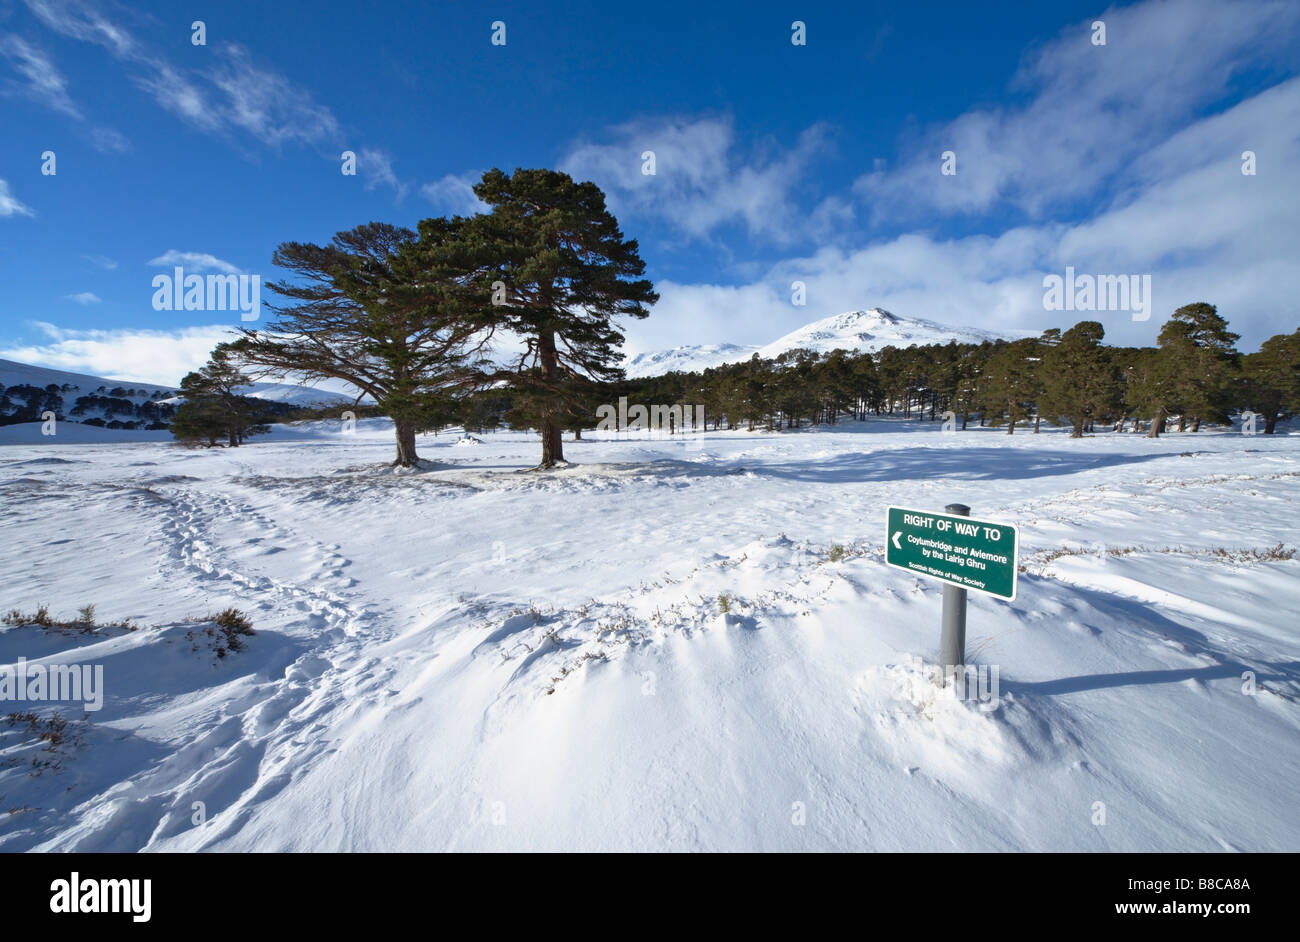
(897, 534)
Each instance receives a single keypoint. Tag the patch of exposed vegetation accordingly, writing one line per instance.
(83, 622)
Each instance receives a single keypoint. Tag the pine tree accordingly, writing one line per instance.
(213, 406)
(384, 310)
(566, 272)
(1200, 362)
(1271, 379)
(1150, 386)
(1079, 380)
(1012, 381)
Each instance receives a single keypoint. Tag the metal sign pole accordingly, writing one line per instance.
(952, 643)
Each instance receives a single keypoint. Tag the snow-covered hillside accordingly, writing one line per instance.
(468, 657)
(864, 331)
(13, 373)
(80, 397)
(872, 330)
(691, 358)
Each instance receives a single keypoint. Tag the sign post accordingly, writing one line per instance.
(952, 640)
(964, 554)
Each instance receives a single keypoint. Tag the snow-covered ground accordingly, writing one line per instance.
(475, 657)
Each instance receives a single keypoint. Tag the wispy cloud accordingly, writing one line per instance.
(108, 141)
(1191, 219)
(10, 205)
(101, 261)
(82, 21)
(157, 356)
(702, 177)
(84, 297)
(454, 193)
(266, 104)
(194, 261)
(42, 82)
(233, 93)
(1087, 113)
(376, 168)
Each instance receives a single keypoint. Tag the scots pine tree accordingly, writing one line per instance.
(1011, 381)
(1201, 360)
(214, 408)
(1079, 380)
(385, 310)
(1271, 379)
(560, 272)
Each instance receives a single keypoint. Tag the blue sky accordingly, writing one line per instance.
(774, 162)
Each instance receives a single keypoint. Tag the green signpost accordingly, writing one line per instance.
(960, 552)
(973, 554)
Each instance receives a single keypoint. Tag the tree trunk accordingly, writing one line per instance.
(1269, 423)
(1157, 424)
(964, 417)
(577, 433)
(406, 457)
(1078, 429)
(1196, 424)
(552, 444)
(234, 440)
(1037, 418)
(1182, 422)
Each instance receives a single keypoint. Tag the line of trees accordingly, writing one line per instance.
(1195, 375)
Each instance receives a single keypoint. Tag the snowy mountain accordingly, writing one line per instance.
(873, 330)
(866, 331)
(687, 359)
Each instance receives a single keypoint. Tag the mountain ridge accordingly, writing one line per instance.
(868, 330)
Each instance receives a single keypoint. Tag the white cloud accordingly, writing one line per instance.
(155, 356)
(237, 94)
(1091, 112)
(44, 83)
(1112, 127)
(194, 261)
(109, 141)
(1190, 218)
(84, 297)
(230, 93)
(10, 205)
(376, 168)
(81, 21)
(455, 194)
(701, 180)
(101, 261)
(266, 104)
